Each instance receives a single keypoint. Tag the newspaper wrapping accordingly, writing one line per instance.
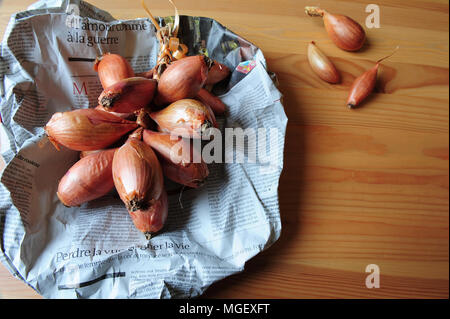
(94, 251)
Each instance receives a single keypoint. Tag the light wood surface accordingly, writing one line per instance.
(359, 187)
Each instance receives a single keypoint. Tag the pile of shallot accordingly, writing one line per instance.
(141, 131)
(348, 35)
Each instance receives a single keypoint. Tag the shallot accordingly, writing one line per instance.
(180, 161)
(364, 84)
(345, 32)
(89, 178)
(182, 79)
(321, 65)
(112, 68)
(187, 118)
(86, 129)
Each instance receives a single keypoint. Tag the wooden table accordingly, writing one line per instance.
(359, 187)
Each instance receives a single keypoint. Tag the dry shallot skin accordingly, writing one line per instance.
(212, 101)
(187, 118)
(321, 65)
(136, 134)
(345, 32)
(112, 68)
(128, 95)
(147, 74)
(152, 219)
(182, 79)
(88, 179)
(137, 174)
(86, 129)
(126, 116)
(144, 120)
(87, 153)
(217, 73)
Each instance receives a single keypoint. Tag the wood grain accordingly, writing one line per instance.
(359, 187)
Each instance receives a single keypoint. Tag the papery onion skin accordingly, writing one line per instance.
(137, 175)
(112, 68)
(144, 120)
(147, 74)
(182, 79)
(217, 73)
(87, 153)
(212, 101)
(178, 55)
(345, 32)
(136, 134)
(152, 219)
(88, 179)
(181, 51)
(186, 117)
(362, 87)
(126, 116)
(180, 162)
(321, 65)
(86, 129)
(128, 95)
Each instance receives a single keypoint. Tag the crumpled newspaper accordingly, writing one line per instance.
(94, 251)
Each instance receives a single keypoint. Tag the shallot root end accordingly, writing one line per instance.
(109, 100)
(137, 204)
(205, 126)
(148, 235)
(314, 11)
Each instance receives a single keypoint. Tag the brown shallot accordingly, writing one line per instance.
(193, 175)
(182, 79)
(152, 219)
(89, 178)
(86, 129)
(345, 32)
(137, 175)
(217, 73)
(112, 68)
(212, 101)
(187, 118)
(321, 65)
(364, 84)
